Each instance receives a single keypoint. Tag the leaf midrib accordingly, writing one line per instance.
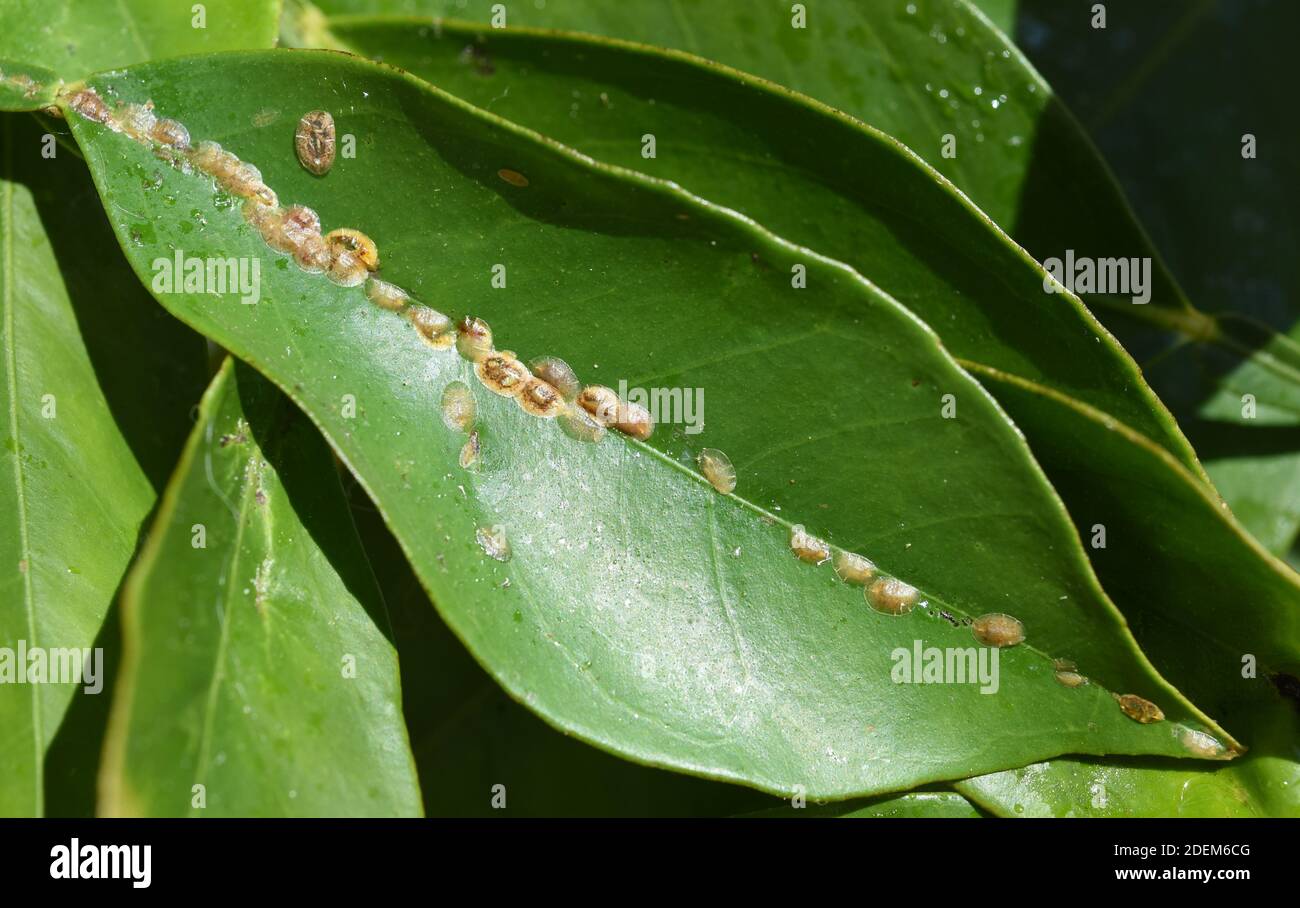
(228, 608)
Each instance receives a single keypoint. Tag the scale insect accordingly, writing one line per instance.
(717, 469)
(808, 547)
(513, 177)
(473, 339)
(386, 296)
(853, 568)
(313, 140)
(1067, 673)
(434, 328)
(470, 451)
(1139, 709)
(996, 629)
(503, 374)
(459, 409)
(539, 399)
(891, 596)
(493, 541)
(558, 374)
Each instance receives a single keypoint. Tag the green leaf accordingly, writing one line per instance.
(1224, 221)
(469, 736)
(1263, 783)
(762, 151)
(73, 38)
(913, 70)
(1205, 594)
(642, 611)
(917, 804)
(25, 87)
(765, 152)
(95, 386)
(255, 659)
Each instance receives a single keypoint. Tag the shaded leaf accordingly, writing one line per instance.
(917, 804)
(255, 662)
(96, 385)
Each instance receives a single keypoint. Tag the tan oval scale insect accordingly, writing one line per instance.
(173, 133)
(312, 255)
(470, 451)
(891, 596)
(808, 547)
(579, 426)
(473, 338)
(459, 410)
(601, 404)
(717, 469)
(538, 398)
(1139, 709)
(493, 541)
(385, 295)
(1203, 745)
(996, 629)
(1070, 678)
(853, 568)
(434, 328)
(314, 141)
(356, 242)
(90, 105)
(557, 373)
(502, 374)
(513, 177)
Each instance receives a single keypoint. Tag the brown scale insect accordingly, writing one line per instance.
(558, 374)
(473, 338)
(717, 469)
(470, 451)
(606, 409)
(853, 568)
(138, 121)
(998, 630)
(356, 242)
(513, 177)
(90, 105)
(1138, 709)
(502, 374)
(576, 424)
(245, 180)
(635, 420)
(1067, 673)
(808, 547)
(385, 295)
(433, 327)
(285, 231)
(601, 402)
(459, 409)
(353, 255)
(312, 255)
(891, 596)
(314, 141)
(538, 398)
(171, 132)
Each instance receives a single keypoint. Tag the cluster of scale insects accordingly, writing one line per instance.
(545, 387)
